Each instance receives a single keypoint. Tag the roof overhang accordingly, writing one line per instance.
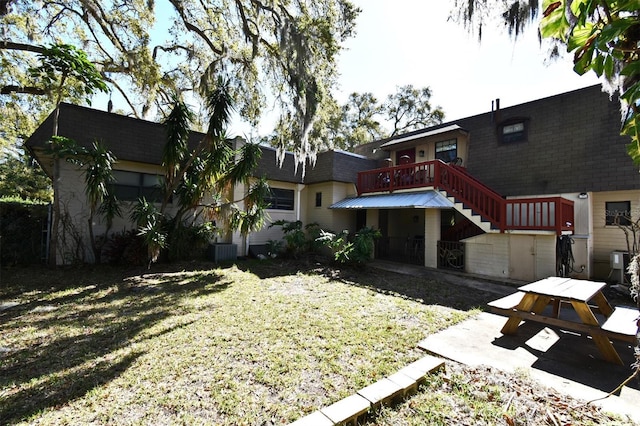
(406, 200)
(453, 129)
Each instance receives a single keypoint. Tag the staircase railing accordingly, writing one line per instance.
(545, 213)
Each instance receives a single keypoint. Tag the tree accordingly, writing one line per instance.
(210, 169)
(63, 71)
(98, 176)
(20, 179)
(409, 109)
(280, 54)
(360, 119)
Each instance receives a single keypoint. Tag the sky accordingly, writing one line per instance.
(404, 42)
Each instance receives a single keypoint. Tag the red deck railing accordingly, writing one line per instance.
(547, 213)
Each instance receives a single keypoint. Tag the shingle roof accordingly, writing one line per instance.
(136, 140)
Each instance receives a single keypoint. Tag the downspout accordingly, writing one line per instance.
(299, 188)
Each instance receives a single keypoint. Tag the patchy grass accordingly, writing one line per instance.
(256, 343)
(486, 396)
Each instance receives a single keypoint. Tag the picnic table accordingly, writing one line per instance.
(586, 298)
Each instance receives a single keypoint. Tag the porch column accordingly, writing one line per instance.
(431, 237)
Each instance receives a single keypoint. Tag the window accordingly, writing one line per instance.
(513, 131)
(130, 186)
(618, 213)
(447, 151)
(280, 199)
(318, 199)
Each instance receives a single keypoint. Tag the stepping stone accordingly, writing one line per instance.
(383, 391)
(347, 410)
(427, 364)
(406, 383)
(314, 419)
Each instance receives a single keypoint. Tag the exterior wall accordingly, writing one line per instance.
(573, 145)
(329, 219)
(545, 256)
(275, 233)
(608, 238)
(75, 210)
(428, 145)
(488, 254)
(73, 234)
(431, 236)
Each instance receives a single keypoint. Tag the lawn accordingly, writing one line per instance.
(252, 343)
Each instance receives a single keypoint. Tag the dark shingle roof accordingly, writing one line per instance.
(142, 141)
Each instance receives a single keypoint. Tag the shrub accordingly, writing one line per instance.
(357, 250)
(126, 248)
(297, 239)
(22, 230)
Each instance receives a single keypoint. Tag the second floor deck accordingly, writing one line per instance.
(521, 214)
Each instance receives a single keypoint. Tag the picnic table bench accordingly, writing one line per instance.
(531, 303)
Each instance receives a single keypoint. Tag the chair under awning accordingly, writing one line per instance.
(406, 200)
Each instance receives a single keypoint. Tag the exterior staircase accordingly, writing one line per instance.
(486, 208)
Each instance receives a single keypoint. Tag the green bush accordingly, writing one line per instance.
(22, 232)
(125, 248)
(356, 250)
(298, 239)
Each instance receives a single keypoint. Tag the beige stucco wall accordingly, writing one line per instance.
(545, 256)
(75, 241)
(607, 238)
(431, 237)
(275, 233)
(487, 254)
(334, 220)
(491, 254)
(428, 145)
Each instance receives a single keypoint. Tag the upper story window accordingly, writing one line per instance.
(280, 199)
(447, 151)
(130, 186)
(513, 131)
(618, 213)
(318, 199)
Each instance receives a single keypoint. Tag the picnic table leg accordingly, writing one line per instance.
(526, 304)
(602, 342)
(603, 304)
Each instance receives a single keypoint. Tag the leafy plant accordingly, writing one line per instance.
(297, 240)
(126, 248)
(357, 250)
(274, 247)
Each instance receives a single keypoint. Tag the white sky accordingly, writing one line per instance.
(411, 42)
(400, 42)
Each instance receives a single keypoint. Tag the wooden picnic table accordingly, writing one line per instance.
(585, 297)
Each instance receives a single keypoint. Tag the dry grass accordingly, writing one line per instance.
(257, 343)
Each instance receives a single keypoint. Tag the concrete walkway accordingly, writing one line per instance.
(567, 362)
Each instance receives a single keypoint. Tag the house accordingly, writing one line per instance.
(518, 178)
(495, 194)
(137, 145)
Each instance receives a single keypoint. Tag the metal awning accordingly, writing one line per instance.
(408, 200)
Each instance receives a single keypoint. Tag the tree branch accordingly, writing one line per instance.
(30, 90)
(124, 95)
(9, 45)
(176, 4)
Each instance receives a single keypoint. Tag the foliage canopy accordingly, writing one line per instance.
(276, 54)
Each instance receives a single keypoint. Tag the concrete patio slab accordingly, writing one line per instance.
(566, 361)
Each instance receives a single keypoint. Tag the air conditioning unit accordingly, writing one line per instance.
(219, 252)
(619, 261)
